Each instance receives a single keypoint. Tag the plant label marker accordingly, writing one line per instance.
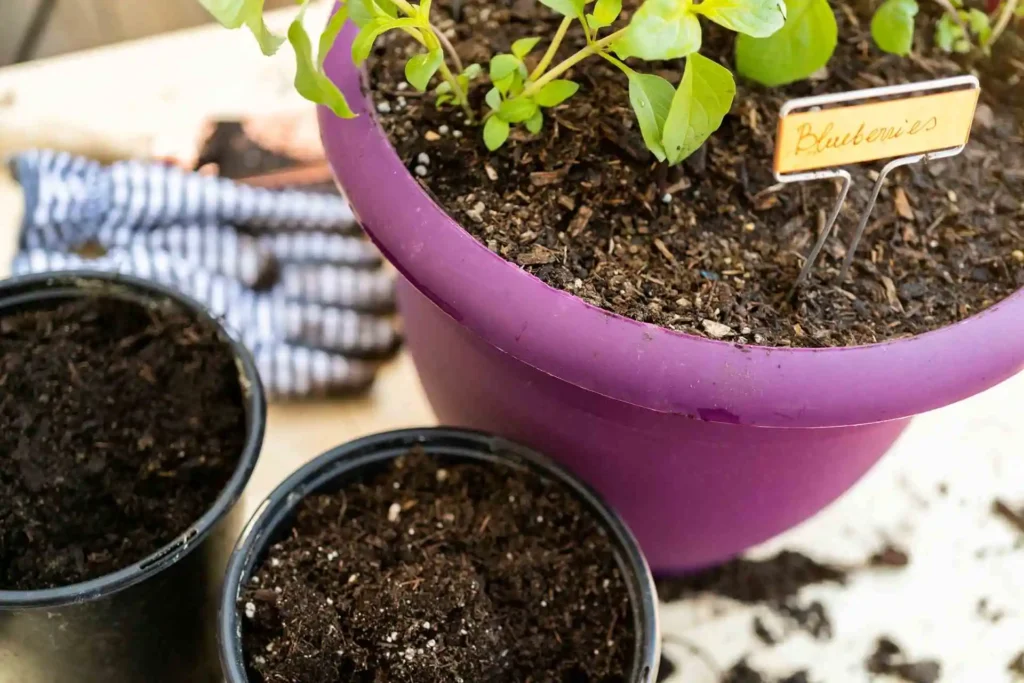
(906, 123)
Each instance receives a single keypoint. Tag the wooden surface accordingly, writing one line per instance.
(112, 103)
(81, 24)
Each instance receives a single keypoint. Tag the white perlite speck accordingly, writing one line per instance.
(666, 198)
(403, 86)
(716, 329)
(274, 562)
(457, 134)
(384, 107)
(443, 130)
(442, 475)
(250, 610)
(421, 170)
(394, 511)
(423, 158)
(426, 624)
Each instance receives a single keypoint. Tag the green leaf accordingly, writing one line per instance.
(493, 98)
(421, 68)
(950, 37)
(443, 99)
(518, 110)
(310, 82)
(892, 27)
(536, 123)
(330, 34)
(802, 46)
(556, 92)
(605, 13)
(495, 133)
(363, 12)
(237, 13)
(471, 72)
(524, 46)
(980, 25)
(703, 99)
(568, 8)
(503, 66)
(755, 18)
(651, 97)
(363, 44)
(660, 29)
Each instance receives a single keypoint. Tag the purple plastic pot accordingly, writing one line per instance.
(704, 447)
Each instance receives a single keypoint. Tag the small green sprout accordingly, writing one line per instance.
(674, 121)
(959, 30)
(892, 27)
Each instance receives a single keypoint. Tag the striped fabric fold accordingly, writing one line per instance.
(286, 271)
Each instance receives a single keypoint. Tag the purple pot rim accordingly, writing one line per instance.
(639, 363)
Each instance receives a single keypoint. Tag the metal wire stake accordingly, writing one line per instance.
(833, 217)
(889, 167)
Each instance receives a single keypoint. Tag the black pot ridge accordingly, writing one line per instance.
(151, 621)
(328, 472)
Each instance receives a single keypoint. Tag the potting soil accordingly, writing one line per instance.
(427, 573)
(119, 427)
(713, 247)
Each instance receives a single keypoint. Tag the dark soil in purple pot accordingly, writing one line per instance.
(713, 247)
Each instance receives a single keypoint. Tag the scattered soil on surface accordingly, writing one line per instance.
(713, 247)
(774, 582)
(1014, 518)
(889, 659)
(425, 574)
(1017, 665)
(119, 427)
(743, 673)
(890, 556)
(751, 581)
(665, 669)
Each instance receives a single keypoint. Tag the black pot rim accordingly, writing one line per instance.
(57, 285)
(276, 510)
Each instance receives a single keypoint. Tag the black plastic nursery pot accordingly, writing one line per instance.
(350, 462)
(153, 620)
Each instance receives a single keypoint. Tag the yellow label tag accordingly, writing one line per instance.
(840, 136)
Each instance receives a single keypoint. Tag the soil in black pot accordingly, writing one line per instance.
(427, 573)
(714, 247)
(119, 427)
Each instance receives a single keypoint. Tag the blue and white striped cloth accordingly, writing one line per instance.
(287, 270)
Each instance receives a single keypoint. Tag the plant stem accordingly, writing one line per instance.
(405, 7)
(618, 63)
(953, 12)
(592, 49)
(1009, 8)
(443, 39)
(460, 96)
(549, 56)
